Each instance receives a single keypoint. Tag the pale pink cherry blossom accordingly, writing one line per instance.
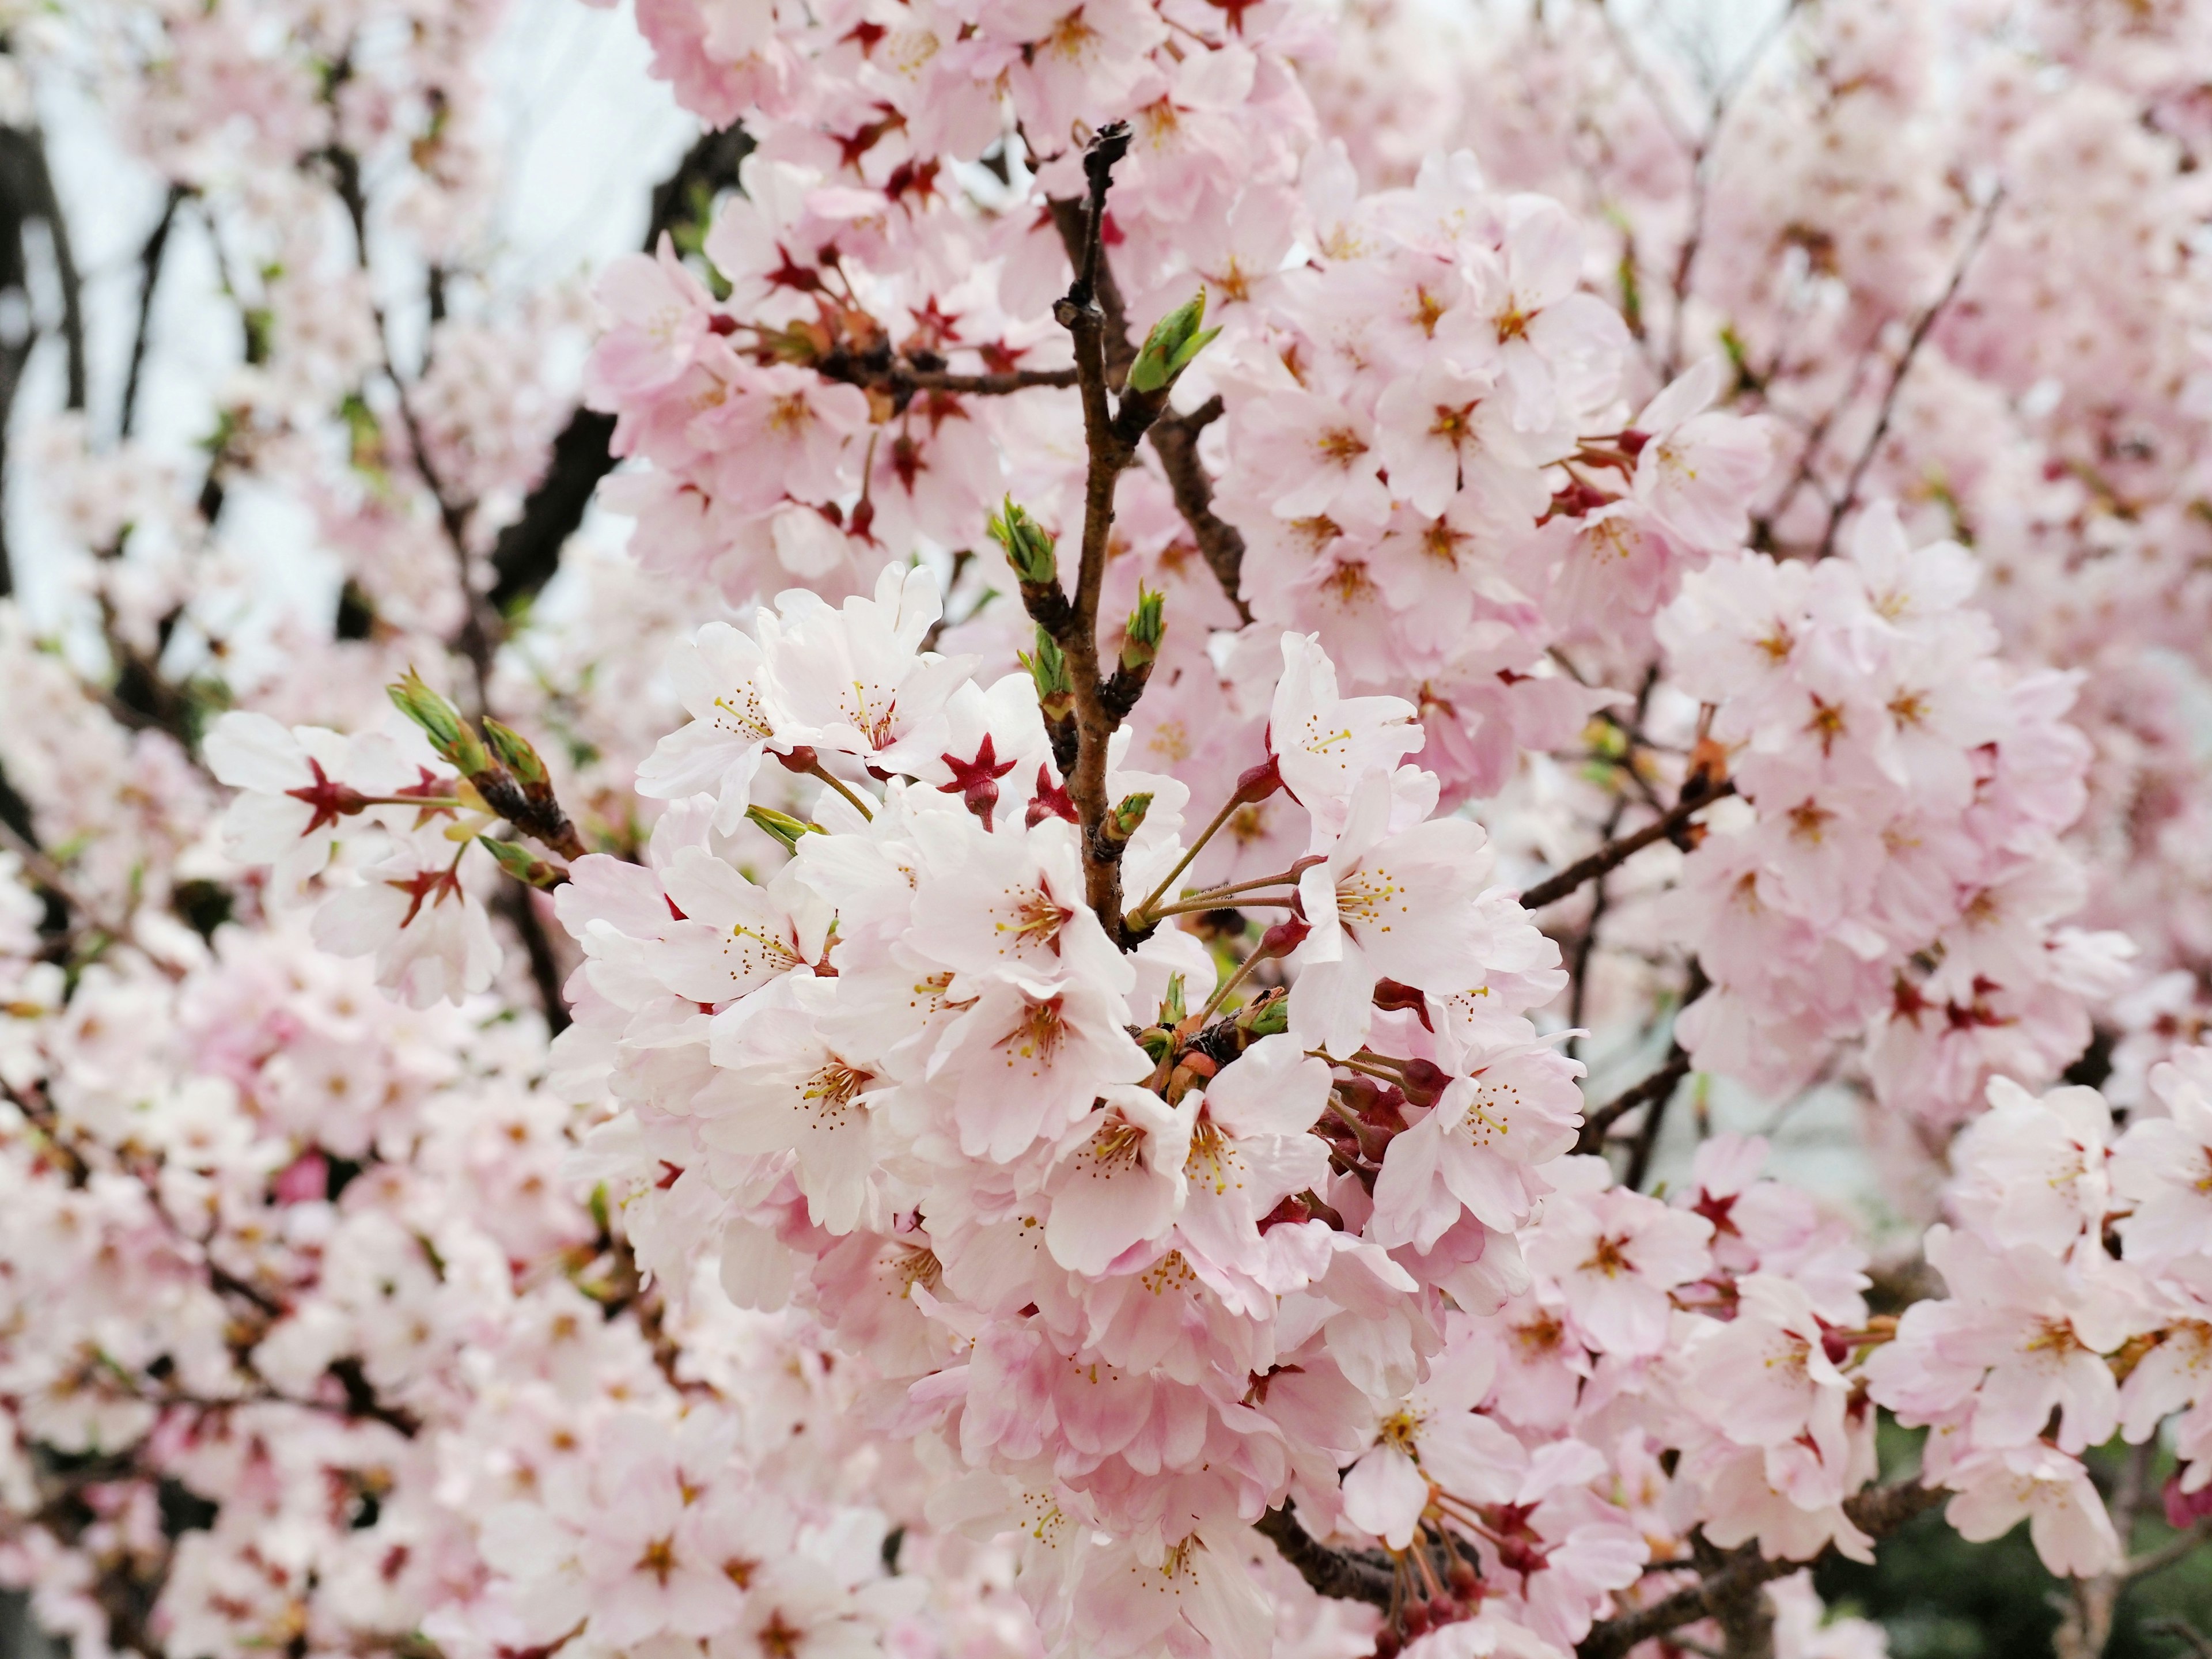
(2162, 1167)
(1764, 1226)
(735, 936)
(2034, 1171)
(1250, 1149)
(1191, 1598)
(2023, 1334)
(1436, 1440)
(1569, 1547)
(783, 433)
(780, 1088)
(661, 318)
(1318, 457)
(1744, 1502)
(720, 675)
(1540, 1363)
(1615, 1256)
(1766, 1377)
(2065, 1517)
(1698, 467)
(1400, 906)
(1026, 1060)
(432, 941)
(299, 786)
(1325, 745)
(1478, 1151)
(855, 680)
(1011, 902)
(649, 1558)
(1087, 56)
(1559, 349)
(1443, 430)
(1118, 1179)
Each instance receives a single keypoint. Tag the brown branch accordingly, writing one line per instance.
(1921, 328)
(1111, 435)
(1340, 1574)
(902, 377)
(527, 552)
(1876, 1512)
(1174, 440)
(1660, 1084)
(151, 258)
(1662, 828)
(515, 902)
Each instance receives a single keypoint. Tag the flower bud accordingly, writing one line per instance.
(1047, 667)
(1123, 818)
(1028, 544)
(513, 752)
(1168, 349)
(448, 733)
(781, 825)
(1141, 635)
(519, 862)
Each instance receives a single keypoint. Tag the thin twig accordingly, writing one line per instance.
(1921, 328)
(151, 258)
(1619, 852)
(1660, 1083)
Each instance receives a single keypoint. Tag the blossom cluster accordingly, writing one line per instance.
(1900, 871)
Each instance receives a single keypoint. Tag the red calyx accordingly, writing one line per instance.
(1392, 997)
(1050, 800)
(977, 781)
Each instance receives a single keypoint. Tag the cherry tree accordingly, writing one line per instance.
(1263, 653)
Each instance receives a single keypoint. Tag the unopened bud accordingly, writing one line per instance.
(1168, 349)
(1047, 667)
(1123, 818)
(1257, 782)
(1141, 636)
(1284, 937)
(799, 758)
(781, 825)
(1425, 1082)
(441, 722)
(1028, 544)
(519, 862)
(512, 750)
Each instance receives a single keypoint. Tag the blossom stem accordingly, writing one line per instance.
(1137, 917)
(1198, 906)
(858, 804)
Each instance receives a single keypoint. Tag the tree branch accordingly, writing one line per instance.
(1174, 440)
(149, 278)
(1619, 852)
(1342, 1574)
(1921, 328)
(527, 552)
(1659, 1085)
(1877, 1512)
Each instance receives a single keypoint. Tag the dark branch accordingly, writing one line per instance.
(1663, 828)
(149, 279)
(1876, 1512)
(1921, 328)
(527, 552)
(1342, 1574)
(1174, 440)
(1660, 1084)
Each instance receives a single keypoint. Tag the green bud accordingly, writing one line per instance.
(1269, 1016)
(448, 733)
(1171, 1009)
(1047, 667)
(1156, 1041)
(784, 827)
(512, 750)
(1028, 544)
(1141, 635)
(1168, 349)
(1123, 818)
(519, 862)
